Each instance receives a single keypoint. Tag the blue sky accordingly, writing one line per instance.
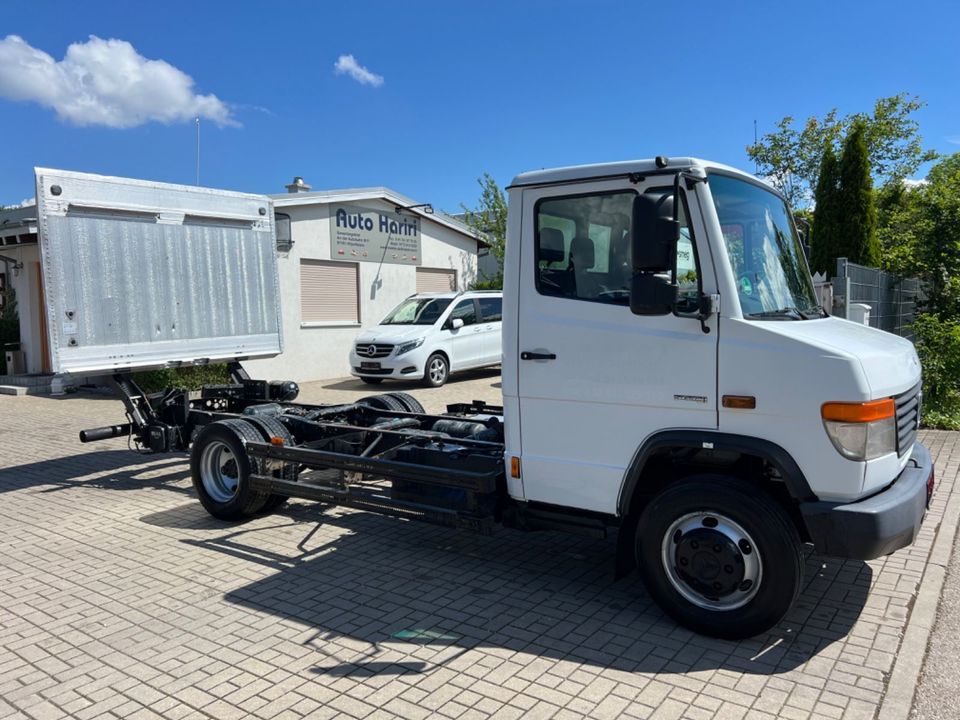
(495, 86)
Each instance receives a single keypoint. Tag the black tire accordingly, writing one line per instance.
(270, 427)
(209, 450)
(382, 402)
(409, 402)
(372, 380)
(699, 555)
(436, 371)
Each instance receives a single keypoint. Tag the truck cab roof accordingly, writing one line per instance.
(580, 173)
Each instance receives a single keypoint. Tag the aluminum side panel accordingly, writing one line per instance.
(141, 275)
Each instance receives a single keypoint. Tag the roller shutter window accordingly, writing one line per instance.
(436, 280)
(329, 292)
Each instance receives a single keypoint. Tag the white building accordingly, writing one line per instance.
(338, 274)
(346, 258)
(20, 270)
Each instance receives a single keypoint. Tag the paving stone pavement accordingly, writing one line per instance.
(121, 598)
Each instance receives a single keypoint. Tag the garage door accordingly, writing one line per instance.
(436, 280)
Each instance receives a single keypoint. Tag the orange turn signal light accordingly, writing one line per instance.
(859, 412)
(276, 441)
(740, 402)
(515, 467)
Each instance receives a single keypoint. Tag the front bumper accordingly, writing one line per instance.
(408, 366)
(877, 525)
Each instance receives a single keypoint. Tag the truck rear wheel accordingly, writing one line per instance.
(409, 402)
(383, 402)
(220, 469)
(719, 556)
(270, 427)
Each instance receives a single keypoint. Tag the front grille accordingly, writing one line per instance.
(908, 416)
(373, 371)
(380, 350)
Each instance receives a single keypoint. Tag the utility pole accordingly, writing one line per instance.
(198, 148)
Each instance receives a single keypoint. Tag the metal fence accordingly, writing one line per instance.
(892, 299)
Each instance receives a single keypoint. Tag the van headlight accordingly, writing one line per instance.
(861, 431)
(408, 346)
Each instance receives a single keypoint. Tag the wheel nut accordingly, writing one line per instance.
(716, 548)
(684, 562)
(728, 569)
(694, 544)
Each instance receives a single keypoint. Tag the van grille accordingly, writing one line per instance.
(908, 414)
(380, 350)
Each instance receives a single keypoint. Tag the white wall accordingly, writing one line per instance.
(319, 351)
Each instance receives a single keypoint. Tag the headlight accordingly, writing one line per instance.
(408, 346)
(861, 431)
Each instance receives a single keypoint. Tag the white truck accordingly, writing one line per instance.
(668, 378)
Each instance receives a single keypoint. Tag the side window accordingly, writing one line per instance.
(491, 309)
(583, 247)
(465, 311)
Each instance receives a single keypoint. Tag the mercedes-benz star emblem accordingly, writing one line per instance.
(371, 350)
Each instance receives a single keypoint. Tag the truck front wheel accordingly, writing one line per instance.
(719, 556)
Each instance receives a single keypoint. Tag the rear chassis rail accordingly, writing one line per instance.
(352, 455)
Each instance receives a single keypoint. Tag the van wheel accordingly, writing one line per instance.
(719, 556)
(372, 380)
(220, 469)
(436, 371)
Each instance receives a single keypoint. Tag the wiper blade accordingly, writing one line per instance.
(790, 313)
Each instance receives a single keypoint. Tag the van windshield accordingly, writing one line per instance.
(773, 281)
(417, 311)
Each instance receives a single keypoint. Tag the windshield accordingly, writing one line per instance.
(417, 311)
(764, 250)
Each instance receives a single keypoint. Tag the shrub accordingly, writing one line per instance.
(938, 344)
(187, 378)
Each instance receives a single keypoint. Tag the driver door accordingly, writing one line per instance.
(594, 379)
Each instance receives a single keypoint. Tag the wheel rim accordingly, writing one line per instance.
(437, 370)
(219, 472)
(711, 560)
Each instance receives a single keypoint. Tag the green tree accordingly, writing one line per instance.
(824, 241)
(490, 219)
(856, 219)
(920, 233)
(791, 158)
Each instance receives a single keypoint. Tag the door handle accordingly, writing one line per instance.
(537, 356)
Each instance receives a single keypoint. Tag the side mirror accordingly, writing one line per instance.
(654, 233)
(652, 294)
(456, 323)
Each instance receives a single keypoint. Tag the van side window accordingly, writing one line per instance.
(583, 247)
(465, 311)
(491, 309)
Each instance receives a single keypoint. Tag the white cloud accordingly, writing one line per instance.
(953, 139)
(348, 65)
(104, 82)
(27, 202)
(911, 183)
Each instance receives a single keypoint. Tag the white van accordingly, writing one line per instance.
(430, 335)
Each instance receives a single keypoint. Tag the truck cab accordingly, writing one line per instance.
(666, 365)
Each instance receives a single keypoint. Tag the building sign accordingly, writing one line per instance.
(358, 233)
